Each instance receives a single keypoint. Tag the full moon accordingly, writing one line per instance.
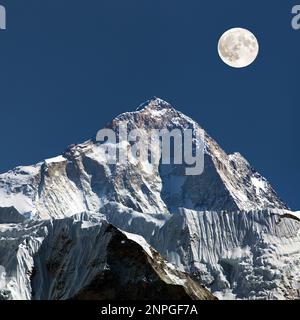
(238, 47)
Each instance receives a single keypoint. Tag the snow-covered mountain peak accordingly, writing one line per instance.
(226, 227)
(155, 103)
(80, 180)
(152, 114)
(228, 181)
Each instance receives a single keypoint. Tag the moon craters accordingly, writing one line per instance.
(238, 47)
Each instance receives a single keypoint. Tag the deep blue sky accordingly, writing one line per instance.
(67, 67)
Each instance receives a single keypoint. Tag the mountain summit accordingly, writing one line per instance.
(80, 180)
(226, 228)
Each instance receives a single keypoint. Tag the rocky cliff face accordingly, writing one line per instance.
(226, 228)
(84, 257)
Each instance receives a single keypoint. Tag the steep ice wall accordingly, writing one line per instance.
(244, 255)
(84, 257)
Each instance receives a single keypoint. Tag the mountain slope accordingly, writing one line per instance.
(80, 180)
(236, 254)
(226, 228)
(86, 258)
